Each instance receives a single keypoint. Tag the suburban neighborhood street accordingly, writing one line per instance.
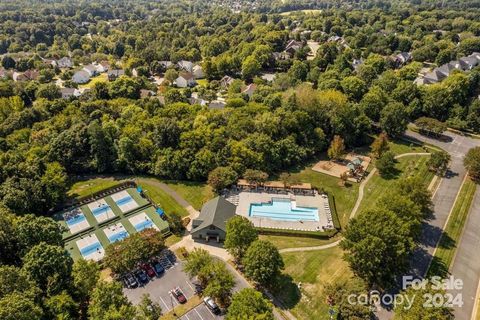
(466, 265)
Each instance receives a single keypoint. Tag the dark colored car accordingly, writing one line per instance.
(158, 267)
(130, 281)
(141, 276)
(149, 270)
(210, 303)
(178, 294)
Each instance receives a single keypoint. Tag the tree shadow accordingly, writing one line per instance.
(287, 291)
(391, 174)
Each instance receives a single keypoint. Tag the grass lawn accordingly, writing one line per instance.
(446, 247)
(165, 201)
(282, 242)
(85, 187)
(202, 82)
(314, 270)
(306, 11)
(411, 165)
(196, 193)
(100, 78)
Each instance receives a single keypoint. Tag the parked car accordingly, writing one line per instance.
(141, 276)
(210, 303)
(149, 270)
(178, 294)
(130, 281)
(157, 266)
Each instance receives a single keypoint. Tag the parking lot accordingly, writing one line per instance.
(159, 290)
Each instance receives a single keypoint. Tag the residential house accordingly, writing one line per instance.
(212, 220)
(185, 65)
(68, 93)
(293, 46)
(249, 90)
(81, 76)
(165, 64)
(184, 80)
(402, 58)
(269, 77)
(91, 70)
(25, 76)
(226, 81)
(102, 66)
(4, 74)
(144, 93)
(468, 63)
(64, 63)
(217, 104)
(198, 72)
(115, 74)
(356, 63)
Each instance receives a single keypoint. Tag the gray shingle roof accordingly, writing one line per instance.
(214, 212)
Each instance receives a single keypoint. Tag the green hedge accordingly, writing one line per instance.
(298, 233)
(333, 208)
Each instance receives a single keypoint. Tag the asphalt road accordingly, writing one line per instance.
(467, 262)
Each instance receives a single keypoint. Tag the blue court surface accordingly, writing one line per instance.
(124, 200)
(88, 250)
(73, 220)
(118, 236)
(144, 225)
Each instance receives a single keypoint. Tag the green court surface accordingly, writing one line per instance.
(144, 206)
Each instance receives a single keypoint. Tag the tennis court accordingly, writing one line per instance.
(75, 220)
(141, 221)
(101, 210)
(90, 248)
(116, 232)
(124, 201)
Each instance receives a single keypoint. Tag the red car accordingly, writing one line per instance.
(149, 270)
(178, 294)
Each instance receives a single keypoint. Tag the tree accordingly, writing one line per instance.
(336, 149)
(48, 91)
(380, 145)
(377, 245)
(338, 294)
(219, 281)
(472, 163)
(416, 190)
(438, 162)
(255, 176)
(15, 306)
(32, 230)
(49, 266)
(250, 67)
(418, 311)
(124, 255)
(61, 307)
(85, 276)
(171, 75)
(108, 302)
(354, 87)
(263, 263)
(430, 126)
(249, 304)
(148, 309)
(196, 260)
(394, 119)
(386, 163)
(240, 233)
(221, 177)
(100, 90)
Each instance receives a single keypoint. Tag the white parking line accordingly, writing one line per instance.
(190, 286)
(210, 311)
(166, 306)
(198, 313)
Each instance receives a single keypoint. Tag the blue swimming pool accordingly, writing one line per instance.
(123, 201)
(118, 236)
(75, 219)
(282, 209)
(144, 225)
(88, 250)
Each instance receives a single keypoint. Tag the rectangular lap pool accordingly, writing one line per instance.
(284, 210)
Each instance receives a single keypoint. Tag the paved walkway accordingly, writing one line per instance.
(355, 208)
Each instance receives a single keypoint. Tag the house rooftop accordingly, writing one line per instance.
(215, 212)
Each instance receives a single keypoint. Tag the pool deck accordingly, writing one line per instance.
(317, 201)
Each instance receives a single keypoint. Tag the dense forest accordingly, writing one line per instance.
(351, 83)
